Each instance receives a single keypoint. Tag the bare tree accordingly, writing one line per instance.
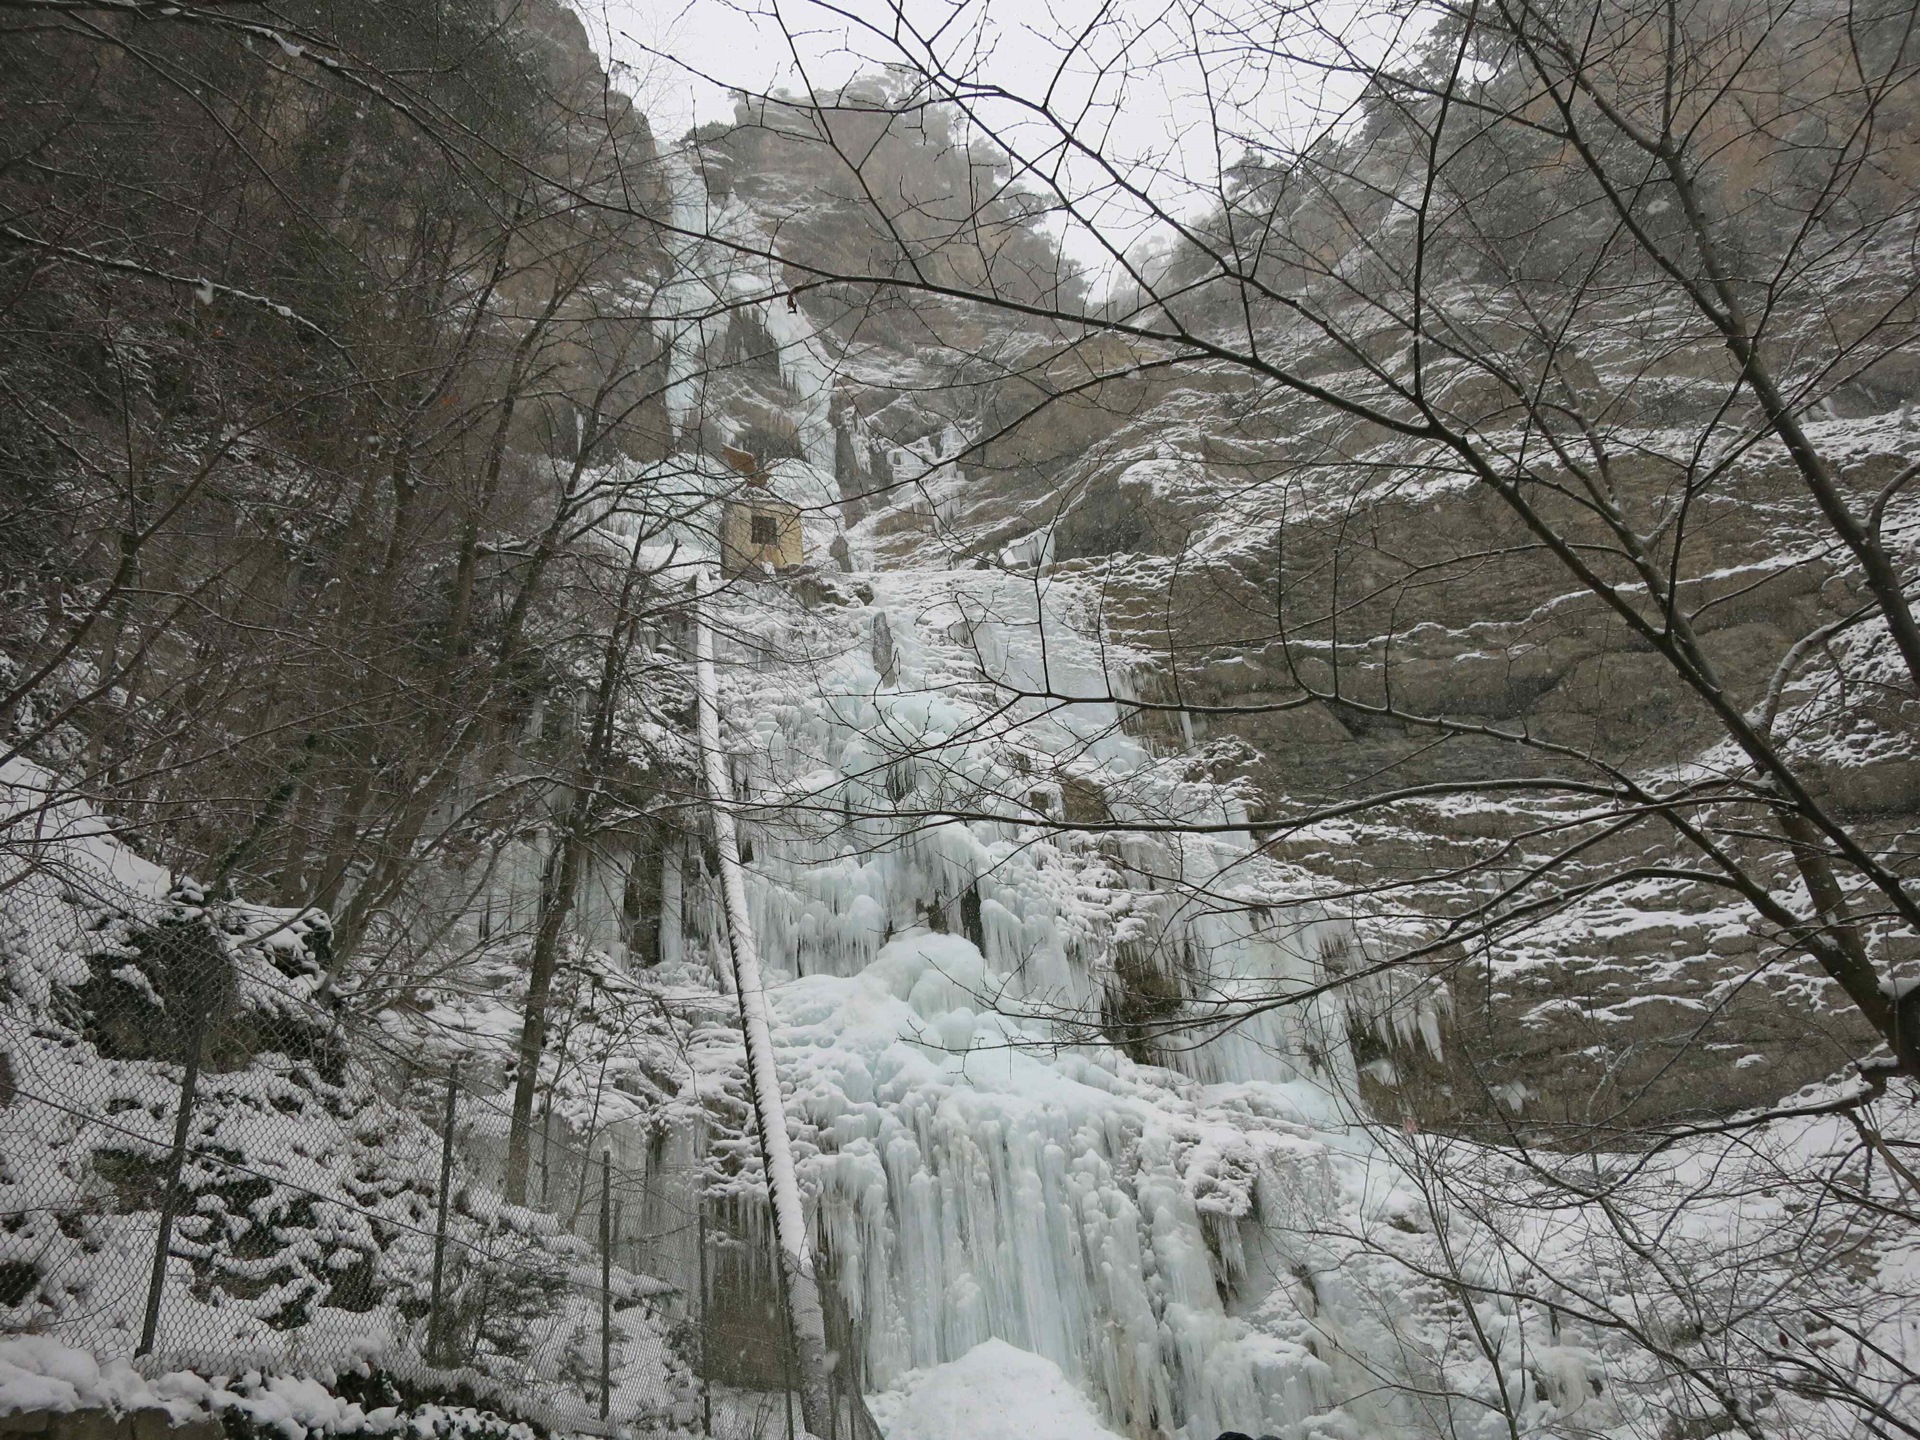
(1522, 420)
(1431, 289)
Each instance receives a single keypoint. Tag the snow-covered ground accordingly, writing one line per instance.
(41, 1376)
(305, 1237)
(993, 1392)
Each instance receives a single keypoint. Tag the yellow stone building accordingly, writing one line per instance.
(759, 532)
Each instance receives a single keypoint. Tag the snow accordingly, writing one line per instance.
(310, 1183)
(34, 802)
(39, 1374)
(993, 1392)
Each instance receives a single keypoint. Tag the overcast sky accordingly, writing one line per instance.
(1126, 69)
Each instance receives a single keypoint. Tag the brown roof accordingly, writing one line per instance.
(745, 462)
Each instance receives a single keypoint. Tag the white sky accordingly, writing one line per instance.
(1140, 77)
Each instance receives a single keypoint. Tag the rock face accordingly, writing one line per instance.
(1265, 560)
(1326, 607)
(1432, 605)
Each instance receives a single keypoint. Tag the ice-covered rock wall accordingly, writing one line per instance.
(716, 288)
(986, 1166)
(1024, 1116)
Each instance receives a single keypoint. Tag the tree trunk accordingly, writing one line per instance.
(562, 877)
(556, 900)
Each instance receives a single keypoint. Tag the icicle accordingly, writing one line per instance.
(973, 1183)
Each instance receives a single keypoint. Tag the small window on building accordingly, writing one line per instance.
(766, 530)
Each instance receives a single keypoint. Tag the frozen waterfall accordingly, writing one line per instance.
(983, 1164)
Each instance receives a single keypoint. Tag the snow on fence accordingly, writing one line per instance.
(204, 1165)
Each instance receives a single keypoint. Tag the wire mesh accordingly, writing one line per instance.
(202, 1167)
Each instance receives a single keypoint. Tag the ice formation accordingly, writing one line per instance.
(986, 1169)
(990, 1175)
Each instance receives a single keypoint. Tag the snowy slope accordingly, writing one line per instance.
(305, 1238)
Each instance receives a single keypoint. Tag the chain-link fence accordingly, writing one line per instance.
(202, 1167)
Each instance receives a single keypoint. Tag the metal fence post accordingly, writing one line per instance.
(606, 1281)
(700, 1316)
(170, 1201)
(435, 1343)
